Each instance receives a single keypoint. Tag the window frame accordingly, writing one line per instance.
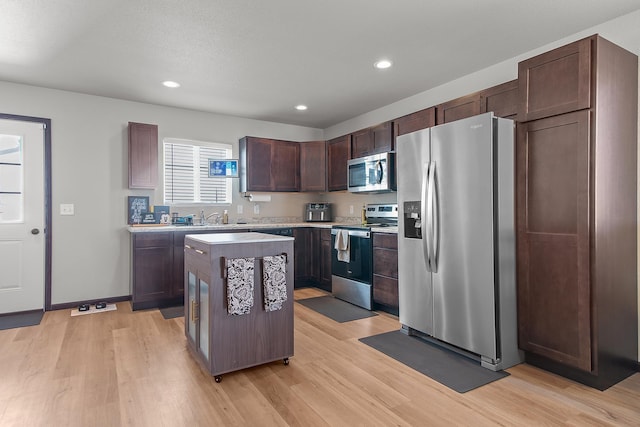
(197, 175)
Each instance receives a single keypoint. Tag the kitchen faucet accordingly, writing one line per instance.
(203, 218)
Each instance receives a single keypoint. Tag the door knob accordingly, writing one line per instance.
(35, 231)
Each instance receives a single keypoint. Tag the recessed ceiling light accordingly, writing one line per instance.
(171, 84)
(382, 64)
(301, 107)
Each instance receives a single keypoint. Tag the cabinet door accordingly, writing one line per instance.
(313, 166)
(338, 153)
(501, 99)
(143, 155)
(361, 143)
(302, 256)
(555, 82)
(554, 313)
(152, 267)
(382, 138)
(416, 121)
(285, 158)
(459, 108)
(178, 285)
(258, 164)
(325, 259)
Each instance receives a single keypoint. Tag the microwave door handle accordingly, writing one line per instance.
(424, 207)
(379, 172)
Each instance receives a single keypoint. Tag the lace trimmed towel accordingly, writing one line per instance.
(274, 281)
(240, 285)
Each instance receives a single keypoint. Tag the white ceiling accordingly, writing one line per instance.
(258, 59)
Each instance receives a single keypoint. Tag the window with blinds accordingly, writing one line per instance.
(186, 172)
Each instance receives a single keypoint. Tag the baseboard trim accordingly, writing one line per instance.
(21, 312)
(75, 304)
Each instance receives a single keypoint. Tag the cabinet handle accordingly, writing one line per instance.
(188, 247)
(194, 311)
(200, 252)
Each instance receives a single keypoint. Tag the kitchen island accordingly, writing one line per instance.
(238, 299)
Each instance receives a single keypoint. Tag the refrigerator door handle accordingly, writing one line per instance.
(435, 218)
(424, 208)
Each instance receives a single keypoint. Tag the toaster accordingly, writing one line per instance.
(317, 212)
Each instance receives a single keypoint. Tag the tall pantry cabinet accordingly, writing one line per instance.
(576, 211)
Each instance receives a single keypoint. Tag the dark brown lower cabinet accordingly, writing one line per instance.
(325, 259)
(312, 248)
(553, 239)
(302, 257)
(151, 267)
(385, 272)
(157, 267)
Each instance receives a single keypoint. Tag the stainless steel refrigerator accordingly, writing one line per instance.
(456, 237)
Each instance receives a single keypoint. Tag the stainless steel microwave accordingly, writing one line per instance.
(373, 174)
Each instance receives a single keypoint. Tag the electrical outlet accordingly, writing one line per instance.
(240, 209)
(350, 209)
(66, 209)
(256, 209)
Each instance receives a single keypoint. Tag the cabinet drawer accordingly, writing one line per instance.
(149, 240)
(385, 291)
(385, 262)
(385, 240)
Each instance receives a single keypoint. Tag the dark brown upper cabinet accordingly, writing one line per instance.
(376, 139)
(415, 121)
(313, 166)
(269, 165)
(501, 99)
(143, 156)
(555, 82)
(338, 154)
(459, 108)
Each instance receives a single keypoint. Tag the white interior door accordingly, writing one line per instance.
(22, 216)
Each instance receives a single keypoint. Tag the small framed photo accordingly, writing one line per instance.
(137, 206)
(148, 218)
(223, 168)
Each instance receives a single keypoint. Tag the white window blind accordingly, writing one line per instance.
(186, 172)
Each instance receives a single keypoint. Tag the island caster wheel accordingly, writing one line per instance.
(286, 361)
(218, 378)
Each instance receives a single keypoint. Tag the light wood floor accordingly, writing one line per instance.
(125, 368)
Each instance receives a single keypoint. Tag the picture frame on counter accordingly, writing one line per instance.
(137, 206)
(162, 214)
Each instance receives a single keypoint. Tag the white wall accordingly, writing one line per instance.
(90, 256)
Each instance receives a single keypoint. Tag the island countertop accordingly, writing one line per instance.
(234, 238)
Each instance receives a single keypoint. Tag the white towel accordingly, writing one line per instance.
(342, 245)
(274, 281)
(240, 285)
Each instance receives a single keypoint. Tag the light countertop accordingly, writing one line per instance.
(235, 238)
(253, 227)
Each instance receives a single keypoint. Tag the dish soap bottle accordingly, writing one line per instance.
(225, 217)
(363, 215)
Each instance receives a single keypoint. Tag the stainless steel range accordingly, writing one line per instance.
(352, 255)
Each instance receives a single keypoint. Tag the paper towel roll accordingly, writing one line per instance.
(259, 198)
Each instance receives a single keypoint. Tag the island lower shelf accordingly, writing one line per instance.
(220, 265)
